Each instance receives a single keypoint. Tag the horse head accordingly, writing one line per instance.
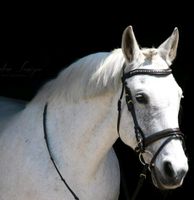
(152, 105)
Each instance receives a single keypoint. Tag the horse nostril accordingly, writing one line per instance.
(168, 169)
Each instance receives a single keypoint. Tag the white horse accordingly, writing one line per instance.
(60, 145)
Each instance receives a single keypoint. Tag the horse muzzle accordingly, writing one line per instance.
(169, 177)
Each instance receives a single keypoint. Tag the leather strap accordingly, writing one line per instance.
(50, 154)
(153, 72)
(162, 134)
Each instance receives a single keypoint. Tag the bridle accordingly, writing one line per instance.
(142, 141)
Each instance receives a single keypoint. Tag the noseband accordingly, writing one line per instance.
(142, 140)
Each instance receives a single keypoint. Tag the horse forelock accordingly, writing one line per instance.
(152, 59)
(149, 53)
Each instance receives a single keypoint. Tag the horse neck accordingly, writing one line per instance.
(81, 134)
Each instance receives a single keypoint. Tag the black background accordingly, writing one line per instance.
(38, 41)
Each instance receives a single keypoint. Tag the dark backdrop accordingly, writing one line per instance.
(37, 42)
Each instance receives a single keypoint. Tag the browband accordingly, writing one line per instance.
(154, 72)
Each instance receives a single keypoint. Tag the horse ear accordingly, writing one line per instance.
(168, 48)
(130, 46)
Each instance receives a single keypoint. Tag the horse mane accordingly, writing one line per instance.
(89, 76)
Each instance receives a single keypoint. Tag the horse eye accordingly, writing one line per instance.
(141, 98)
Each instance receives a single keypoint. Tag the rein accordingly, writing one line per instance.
(142, 140)
(50, 154)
